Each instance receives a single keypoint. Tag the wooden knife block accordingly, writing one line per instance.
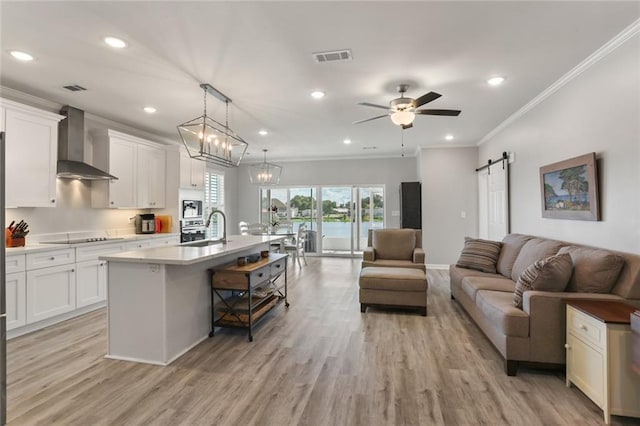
(13, 242)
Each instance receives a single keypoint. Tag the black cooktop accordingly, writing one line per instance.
(83, 240)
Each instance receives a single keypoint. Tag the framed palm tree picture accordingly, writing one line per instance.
(569, 189)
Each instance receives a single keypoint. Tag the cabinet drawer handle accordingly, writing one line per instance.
(73, 270)
(260, 275)
(277, 266)
(52, 258)
(567, 346)
(583, 327)
(53, 201)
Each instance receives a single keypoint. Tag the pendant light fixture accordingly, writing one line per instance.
(208, 140)
(265, 173)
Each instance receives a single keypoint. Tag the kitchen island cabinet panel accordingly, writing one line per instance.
(50, 292)
(16, 294)
(32, 144)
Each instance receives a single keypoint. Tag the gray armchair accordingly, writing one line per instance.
(400, 248)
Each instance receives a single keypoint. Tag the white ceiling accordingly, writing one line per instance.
(259, 54)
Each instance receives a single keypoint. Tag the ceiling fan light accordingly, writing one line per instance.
(403, 117)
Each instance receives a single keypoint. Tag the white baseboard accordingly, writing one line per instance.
(29, 328)
(155, 362)
(437, 266)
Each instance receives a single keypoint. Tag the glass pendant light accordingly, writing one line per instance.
(211, 141)
(265, 173)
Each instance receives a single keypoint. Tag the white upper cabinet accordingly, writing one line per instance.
(191, 172)
(31, 155)
(151, 177)
(140, 167)
(122, 164)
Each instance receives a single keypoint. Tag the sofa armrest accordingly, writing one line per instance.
(418, 255)
(547, 322)
(369, 254)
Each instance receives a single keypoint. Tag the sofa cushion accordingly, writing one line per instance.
(549, 274)
(497, 307)
(481, 255)
(456, 274)
(511, 246)
(532, 251)
(594, 270)
(396, 244)
(471, 285)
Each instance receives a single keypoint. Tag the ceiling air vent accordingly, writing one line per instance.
(74, 88)
(334, 55)
(369, 147)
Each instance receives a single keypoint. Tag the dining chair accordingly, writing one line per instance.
(297, 247)
(243, 227)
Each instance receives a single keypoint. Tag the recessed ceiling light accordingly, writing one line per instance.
(21, 56)
(449, 137)
(347, 141)
(149, 109)
(495, 81)
(318, 94)
(115, 42)
(263, 133)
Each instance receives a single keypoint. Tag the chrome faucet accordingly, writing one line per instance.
(224, 223)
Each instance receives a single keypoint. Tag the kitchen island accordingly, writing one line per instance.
(159, 299)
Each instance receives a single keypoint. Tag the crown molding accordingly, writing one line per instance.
(54, 107)
(591, 60)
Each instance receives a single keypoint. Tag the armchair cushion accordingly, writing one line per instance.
(394, 244)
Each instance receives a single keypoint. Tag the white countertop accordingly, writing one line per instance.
(185, 255)
(29, 248)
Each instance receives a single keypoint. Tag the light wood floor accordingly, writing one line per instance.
(321, 362)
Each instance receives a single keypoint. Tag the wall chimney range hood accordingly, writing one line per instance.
(71, 163)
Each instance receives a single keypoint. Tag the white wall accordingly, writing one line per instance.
(449, 188)
(598, 111)
(389, 172)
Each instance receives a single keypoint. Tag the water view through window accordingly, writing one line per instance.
(338, 218)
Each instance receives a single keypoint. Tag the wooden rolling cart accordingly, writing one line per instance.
(254, 291)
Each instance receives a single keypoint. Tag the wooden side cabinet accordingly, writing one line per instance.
(245, 294)
(599, 360)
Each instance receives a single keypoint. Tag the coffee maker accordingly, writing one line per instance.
(146, 223)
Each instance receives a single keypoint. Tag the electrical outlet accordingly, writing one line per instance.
(463, 214)
(395, 212)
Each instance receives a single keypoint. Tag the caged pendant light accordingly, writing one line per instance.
(265, 173)
(208, 140)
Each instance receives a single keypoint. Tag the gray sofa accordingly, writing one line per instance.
(536, 333)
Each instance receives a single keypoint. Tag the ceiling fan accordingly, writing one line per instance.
(403, 110)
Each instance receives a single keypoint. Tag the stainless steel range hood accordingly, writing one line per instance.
(71, 163)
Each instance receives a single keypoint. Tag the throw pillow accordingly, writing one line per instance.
(594, 270)
(481, 255)
(549, 274)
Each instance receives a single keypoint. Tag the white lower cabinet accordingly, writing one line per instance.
(50, 292)
(91, 282)
(16, 295)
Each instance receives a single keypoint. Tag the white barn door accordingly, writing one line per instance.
(493, 201)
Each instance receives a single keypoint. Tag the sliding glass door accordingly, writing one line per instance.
(338, 218)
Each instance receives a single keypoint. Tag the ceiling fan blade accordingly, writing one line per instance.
(425, 99)
(369, 119)
(373, 105)
(447, 112)
(406, 126)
